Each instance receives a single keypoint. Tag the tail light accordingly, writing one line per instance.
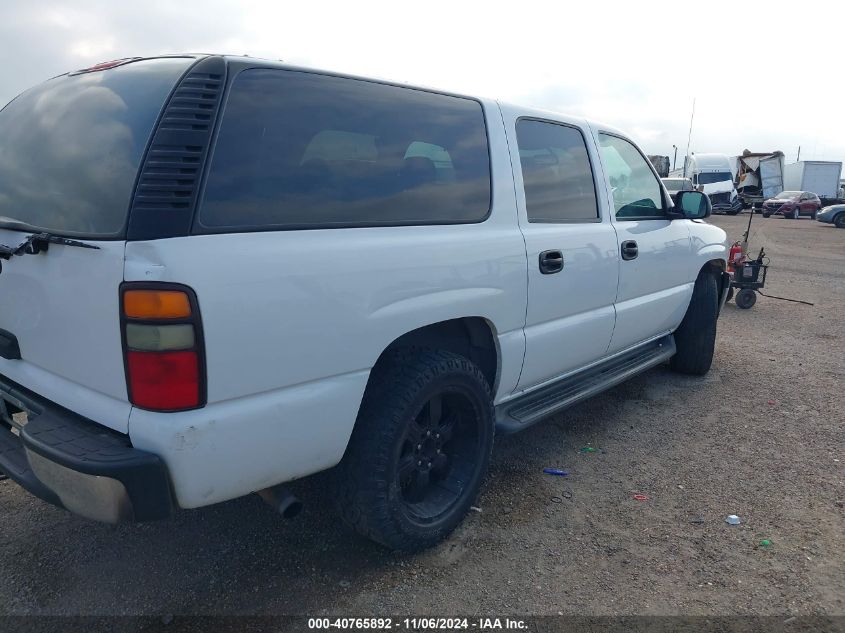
(163, 346)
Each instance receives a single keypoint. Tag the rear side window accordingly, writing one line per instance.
(301, 150)
(70, 148)
(556, 173)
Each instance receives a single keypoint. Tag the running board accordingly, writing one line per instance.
(522, 412)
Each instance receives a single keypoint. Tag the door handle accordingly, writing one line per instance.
(629, 250)
(551, 262)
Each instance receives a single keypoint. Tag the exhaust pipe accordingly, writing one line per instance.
(282, 501)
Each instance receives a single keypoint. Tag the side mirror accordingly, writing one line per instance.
(693, 205)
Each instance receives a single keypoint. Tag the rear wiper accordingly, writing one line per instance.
(39, 243)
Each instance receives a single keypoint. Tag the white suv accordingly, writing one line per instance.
(222, 274)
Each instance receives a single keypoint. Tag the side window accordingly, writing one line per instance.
(636, 190)
(302, 150)
(556, 173)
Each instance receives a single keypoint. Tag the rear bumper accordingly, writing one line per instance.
(76, 464)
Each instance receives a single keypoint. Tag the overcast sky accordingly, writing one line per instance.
(765, 75)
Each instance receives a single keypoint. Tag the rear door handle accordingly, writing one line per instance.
(551, 262)
(629, 250)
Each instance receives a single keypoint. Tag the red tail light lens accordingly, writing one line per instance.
(163, 346)
(164, 380)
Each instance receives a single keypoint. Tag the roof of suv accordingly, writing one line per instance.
(246, 61)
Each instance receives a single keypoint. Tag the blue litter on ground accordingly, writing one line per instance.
(556, 471)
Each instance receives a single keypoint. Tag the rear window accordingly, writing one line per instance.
(677, 184)
(70, 148)
(301, 150)
(706, 178)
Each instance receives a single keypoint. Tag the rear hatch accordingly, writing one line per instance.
(69, 156)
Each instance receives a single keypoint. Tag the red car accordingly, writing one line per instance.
(793, 204)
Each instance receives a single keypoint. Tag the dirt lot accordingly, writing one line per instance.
(762, 436)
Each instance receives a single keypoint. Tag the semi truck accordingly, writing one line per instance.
(714, 175)
(759, 176)
(821, 177)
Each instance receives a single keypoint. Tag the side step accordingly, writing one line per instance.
(522, 412)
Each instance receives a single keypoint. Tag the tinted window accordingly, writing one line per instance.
(636, 191)
(70, 148)
(305, 150)
(705, 178)
(556, 173)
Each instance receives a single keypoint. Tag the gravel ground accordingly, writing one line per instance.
(761, 437)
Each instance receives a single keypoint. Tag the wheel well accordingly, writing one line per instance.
(471, 337)
(716, 267)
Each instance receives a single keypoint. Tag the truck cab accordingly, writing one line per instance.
(713, 174)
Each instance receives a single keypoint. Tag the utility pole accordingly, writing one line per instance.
(799, 154)
(675, 160)
(689, 136)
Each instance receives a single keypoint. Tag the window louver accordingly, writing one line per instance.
(168, 186)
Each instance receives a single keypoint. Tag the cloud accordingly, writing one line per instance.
(636, 65)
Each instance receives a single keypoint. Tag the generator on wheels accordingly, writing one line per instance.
(747, 275)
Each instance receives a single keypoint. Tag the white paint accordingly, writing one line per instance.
(63, 307)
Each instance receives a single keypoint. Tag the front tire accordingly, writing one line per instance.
(419, 451)
(695, 338)
(839, 221)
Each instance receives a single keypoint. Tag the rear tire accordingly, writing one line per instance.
(839, 221)
(695, 338)
(398, 484)
(746, 298)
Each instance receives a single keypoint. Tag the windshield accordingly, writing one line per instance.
(719, 176)
(788, 194)
(70, 148)
(677, 184)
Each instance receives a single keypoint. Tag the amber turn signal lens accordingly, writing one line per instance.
(156, 304)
